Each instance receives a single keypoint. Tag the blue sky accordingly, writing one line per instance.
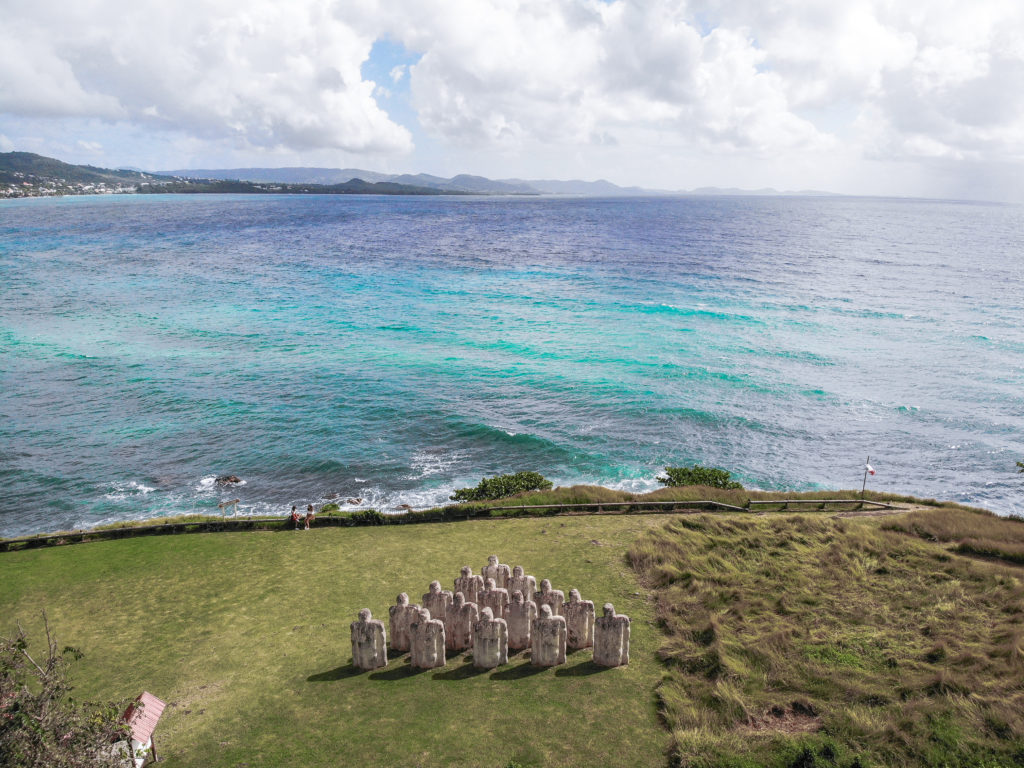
(864, 97)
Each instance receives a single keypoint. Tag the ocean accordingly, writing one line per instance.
(392, 349)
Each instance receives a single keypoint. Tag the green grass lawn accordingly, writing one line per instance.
(246, 635)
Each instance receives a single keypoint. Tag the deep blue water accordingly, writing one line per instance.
(395, 348)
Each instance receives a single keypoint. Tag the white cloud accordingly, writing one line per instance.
(653, 89)
(260, 73)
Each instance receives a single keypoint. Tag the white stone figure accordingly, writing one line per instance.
(458, 624)
(579, 621)
(469, 584)
(437, 600)
(401, 616)
(494, 598)
(519, 580)
(547, 637)
(549, 596)
(520, 615)
(369, 642)
(495, 570)
(427, 642)
(611, 639)
(490, 641)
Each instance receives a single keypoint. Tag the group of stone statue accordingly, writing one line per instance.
(490, 613)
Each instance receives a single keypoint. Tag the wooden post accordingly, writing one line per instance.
(225, 504)
(863, 487)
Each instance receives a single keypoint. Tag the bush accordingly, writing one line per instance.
(698, 475)
(40, 722)
(503, 485)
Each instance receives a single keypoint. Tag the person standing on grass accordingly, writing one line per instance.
(309, 515)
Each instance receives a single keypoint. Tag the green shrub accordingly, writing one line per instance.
(368, 517)
(499, 487)
(698, 475)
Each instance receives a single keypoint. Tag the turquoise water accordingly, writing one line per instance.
(393, 349)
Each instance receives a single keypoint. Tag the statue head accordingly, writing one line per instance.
(574, 595)
(609, 609)
(402, 599)
(435, 587)
(517, 571)
(459, 600)
(486, 615)
(489, 584)
(518, 598)
(364, 615)
(467, 571)
(545, 611)
(492, 560)
(545, 585)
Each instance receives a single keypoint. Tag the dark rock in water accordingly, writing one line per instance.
(353, 501)
(406, 507)
(331, 496)
(228, 480)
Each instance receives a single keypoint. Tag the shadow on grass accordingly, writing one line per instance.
(340, 673)
(517, 673)
(464, 672)
(398, 673)
(393, 654)
(587, 667)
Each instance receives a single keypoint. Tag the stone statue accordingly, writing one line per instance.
(579, 621)
(490, 641)
(547, 639)
(427, 642)
(518, 580)
(469, 584)
(494, 598)
(549, 596)
(437, 601)
(520, 615)
(402, 615)
(458, 624)
(369, 642)
(611, 639)
(495, 570)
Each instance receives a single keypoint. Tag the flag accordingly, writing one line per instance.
(870, 469)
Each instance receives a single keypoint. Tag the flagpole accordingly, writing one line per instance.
(863, 488)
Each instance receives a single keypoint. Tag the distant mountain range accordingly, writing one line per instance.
(23, 169)
(462, 183)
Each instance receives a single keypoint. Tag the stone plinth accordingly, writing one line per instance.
(548, 596)
(547, 635)
(497, 571)
(494, 598)
(458, 624)
(579, 621)
(519, 616)
(490, 641)
(469, 584)
(401, 616)
(427, 642)
(522, 582)
(611, 639)
(437, 601)
(369, 642)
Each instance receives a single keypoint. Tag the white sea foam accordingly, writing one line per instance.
(127, 490)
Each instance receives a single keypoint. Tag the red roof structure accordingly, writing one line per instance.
(142, 720)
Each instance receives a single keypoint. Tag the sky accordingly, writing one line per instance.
(882, 97)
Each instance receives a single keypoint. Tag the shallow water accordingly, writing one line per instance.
(394, 348)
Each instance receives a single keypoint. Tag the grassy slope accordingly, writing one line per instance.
(247, 633)
(810, 640)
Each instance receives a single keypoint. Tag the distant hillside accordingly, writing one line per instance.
(28, 164)
(292, 175)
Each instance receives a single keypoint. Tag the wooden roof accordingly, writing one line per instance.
(142, 720)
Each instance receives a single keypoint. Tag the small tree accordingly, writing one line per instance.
(1020, 467)
(698, 475)
(503, 485)
(40, 723)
